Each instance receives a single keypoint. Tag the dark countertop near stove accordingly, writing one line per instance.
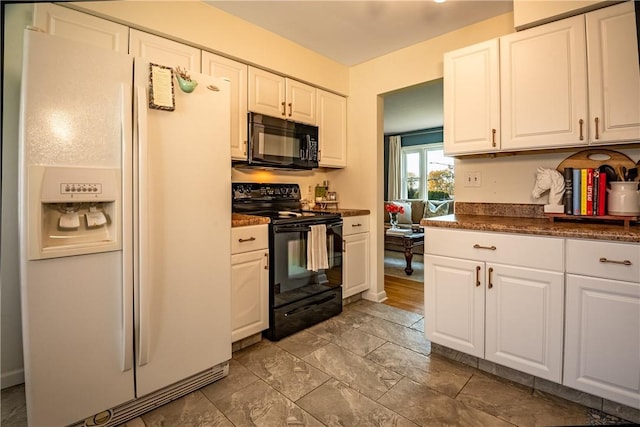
(527, 220)
(242, 220)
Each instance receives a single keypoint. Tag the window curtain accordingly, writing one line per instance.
(394, 178)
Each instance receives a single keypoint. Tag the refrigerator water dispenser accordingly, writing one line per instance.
(73, 211)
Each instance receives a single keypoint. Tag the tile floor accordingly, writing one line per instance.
(370, 366)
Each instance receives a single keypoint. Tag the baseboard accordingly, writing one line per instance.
(11, 378)
(375, 297)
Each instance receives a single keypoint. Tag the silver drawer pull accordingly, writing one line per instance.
(611, 261)
(491, 248)
(250, 239)
(356, 225)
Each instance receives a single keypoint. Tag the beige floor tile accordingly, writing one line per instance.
(283, 371)
(427, 407)
(361, 374)
(519, 404)
(437, 372)
(336, 404)
(262, 406)
(191, 410)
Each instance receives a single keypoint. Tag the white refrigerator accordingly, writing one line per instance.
(125, 223)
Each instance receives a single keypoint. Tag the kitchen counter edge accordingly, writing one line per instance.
(538, 226)
(241, 220)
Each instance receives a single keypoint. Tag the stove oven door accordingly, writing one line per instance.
(289, 277)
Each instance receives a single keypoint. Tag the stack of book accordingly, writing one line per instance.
(585, 191)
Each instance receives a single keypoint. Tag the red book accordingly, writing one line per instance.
(602, 190)
(590, 191)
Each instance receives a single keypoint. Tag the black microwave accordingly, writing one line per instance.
(274, 142)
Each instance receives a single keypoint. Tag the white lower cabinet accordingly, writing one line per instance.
(249, 281)
(498, 297)
(602, 332)
(355, 261)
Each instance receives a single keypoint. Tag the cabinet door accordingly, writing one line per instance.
(236, 72)
(301, 102)
(73, 25)
(543, 91)
(164, 51)
(249, 294)
(472, 99)
(524, 320)
(614, 76)
(454, 303)
(355, 264)
(266, 93)
(602, 338)
(332, 129)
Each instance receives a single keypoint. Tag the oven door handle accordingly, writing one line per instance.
(291, 229)
(301, 227)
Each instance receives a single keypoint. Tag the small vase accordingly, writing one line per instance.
(187, 86)
(393, 220)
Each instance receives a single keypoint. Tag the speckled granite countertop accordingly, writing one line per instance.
(241, 220)
(496, 218)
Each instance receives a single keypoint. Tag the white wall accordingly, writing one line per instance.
(511, 179)
(16, 17)
(362, 181)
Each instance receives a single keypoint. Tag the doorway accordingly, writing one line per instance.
(410, 111)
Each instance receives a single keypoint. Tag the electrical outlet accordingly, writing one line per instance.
(472, 179)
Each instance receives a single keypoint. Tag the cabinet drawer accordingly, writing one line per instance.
(355, 224)
(514, 249)
(249, 238)
(609, 260)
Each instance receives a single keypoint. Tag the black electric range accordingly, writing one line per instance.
(301, 293)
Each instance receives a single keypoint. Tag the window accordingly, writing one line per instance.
(427, 174)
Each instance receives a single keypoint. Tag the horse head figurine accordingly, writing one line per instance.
(551, 180)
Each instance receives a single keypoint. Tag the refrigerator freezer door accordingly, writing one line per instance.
(73, 308)
(184, 226)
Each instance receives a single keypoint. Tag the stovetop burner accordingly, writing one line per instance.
(280, 202)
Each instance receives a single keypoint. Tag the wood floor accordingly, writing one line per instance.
(405, 294)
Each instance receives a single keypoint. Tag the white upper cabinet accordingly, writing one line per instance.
(332, 129)
(236, 73)
(73, 25)
(164, 51)
(472, 99)
(614, 75)
(278, 96)
(544, 86)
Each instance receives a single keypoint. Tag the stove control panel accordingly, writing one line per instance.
(256, 191)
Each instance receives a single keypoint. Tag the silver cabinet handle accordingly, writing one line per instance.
(491, 248)
(250, 239)
(611, 261)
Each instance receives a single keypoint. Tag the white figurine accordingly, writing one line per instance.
(552, 180)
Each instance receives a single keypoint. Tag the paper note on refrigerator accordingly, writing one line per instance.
(161, 87)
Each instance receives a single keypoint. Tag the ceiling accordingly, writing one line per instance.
(352, 32)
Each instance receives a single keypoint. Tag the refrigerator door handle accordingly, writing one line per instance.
(143, 231)
(127, 258)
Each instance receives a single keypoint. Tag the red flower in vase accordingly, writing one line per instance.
(394, 209)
